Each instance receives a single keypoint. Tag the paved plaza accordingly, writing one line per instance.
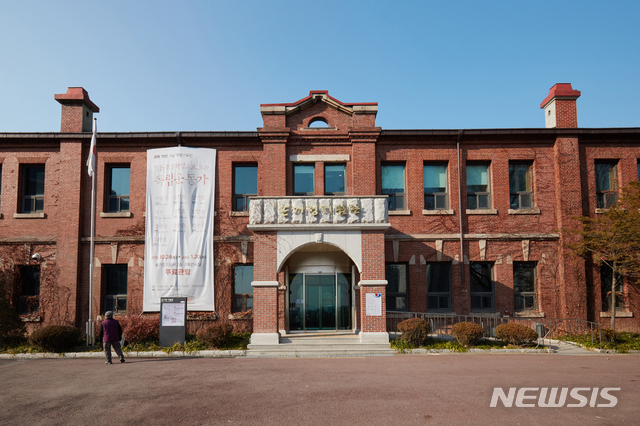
(401, 389)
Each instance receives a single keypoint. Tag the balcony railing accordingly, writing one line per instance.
(318, 211)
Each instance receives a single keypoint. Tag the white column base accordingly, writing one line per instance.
(377, 337)
(265, 338)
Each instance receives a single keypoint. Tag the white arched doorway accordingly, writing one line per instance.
(320, 294)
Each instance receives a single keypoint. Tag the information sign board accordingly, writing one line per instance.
(173, 320)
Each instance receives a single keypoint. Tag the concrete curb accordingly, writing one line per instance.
(614, 351)
(247, 354)
(150, 354)
(320, 355)
(485, 351)
(242, 353)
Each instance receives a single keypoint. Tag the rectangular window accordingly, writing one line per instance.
(32, 189)
(482, 288)
(478, 187)
(29, 292)
(524, 286)
(393, 185)
(606, 278)
(520, 185)
(242, 289)
(118, 181)
(245, 185)
(435, 187)
(334, 182)
(303, 179)
(606, 184)
(397, 278)
(439, 287)
(115, 288)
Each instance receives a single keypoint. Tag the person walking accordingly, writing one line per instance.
(110, 334)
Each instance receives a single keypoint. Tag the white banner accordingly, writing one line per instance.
(179, 227)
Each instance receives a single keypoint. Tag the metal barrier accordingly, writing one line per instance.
(556, 328)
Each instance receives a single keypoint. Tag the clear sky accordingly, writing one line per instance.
(208, 65)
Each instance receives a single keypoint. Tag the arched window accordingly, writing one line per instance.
(318, 123)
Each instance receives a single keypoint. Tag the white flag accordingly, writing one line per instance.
(91, 161)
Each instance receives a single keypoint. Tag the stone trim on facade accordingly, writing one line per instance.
(372, 282)
(619, 314)
(265, 284)
(277, 212)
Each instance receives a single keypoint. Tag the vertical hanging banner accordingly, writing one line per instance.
(179, 227)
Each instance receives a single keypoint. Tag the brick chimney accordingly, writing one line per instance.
(560, 107)
(77, 110)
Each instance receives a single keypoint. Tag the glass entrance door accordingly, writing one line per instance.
(319, 301)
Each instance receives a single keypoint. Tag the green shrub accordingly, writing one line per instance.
(489, 344)
(215, 335)
(623, 342)
(400, 345)
(445, 344)
(56, 338)
(609, 336)
(237, 341)
(467, 333)
(415, 331)
(626, 341)
(516, 334)
(138, 328)
(12, 329)
(191, 344)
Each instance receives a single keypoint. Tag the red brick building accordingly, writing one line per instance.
(346, 221)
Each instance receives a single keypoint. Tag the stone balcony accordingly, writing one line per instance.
(315, 213)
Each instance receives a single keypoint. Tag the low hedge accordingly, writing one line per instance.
(139, 328)
(56, 338)
(467, 333)
(12, 328)
(215, 335)
(415, 331)
(609, 336)
(516, 334)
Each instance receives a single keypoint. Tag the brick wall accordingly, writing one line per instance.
(573, 297)
(272, 170)
(72, 118)
(372, 269)
(372, 324)
(265, 299)
(563, 186)
(566, 113)
(265, 310)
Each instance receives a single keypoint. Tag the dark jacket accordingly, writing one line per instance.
(110, 331)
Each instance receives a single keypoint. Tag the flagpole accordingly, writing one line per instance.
(92, 166)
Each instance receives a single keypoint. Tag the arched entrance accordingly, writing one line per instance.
(331, 242)
(320, 290)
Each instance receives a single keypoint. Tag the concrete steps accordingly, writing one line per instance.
(319, 345)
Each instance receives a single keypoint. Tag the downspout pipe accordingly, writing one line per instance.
(460, 133)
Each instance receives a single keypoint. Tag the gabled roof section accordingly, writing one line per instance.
(319, 96)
